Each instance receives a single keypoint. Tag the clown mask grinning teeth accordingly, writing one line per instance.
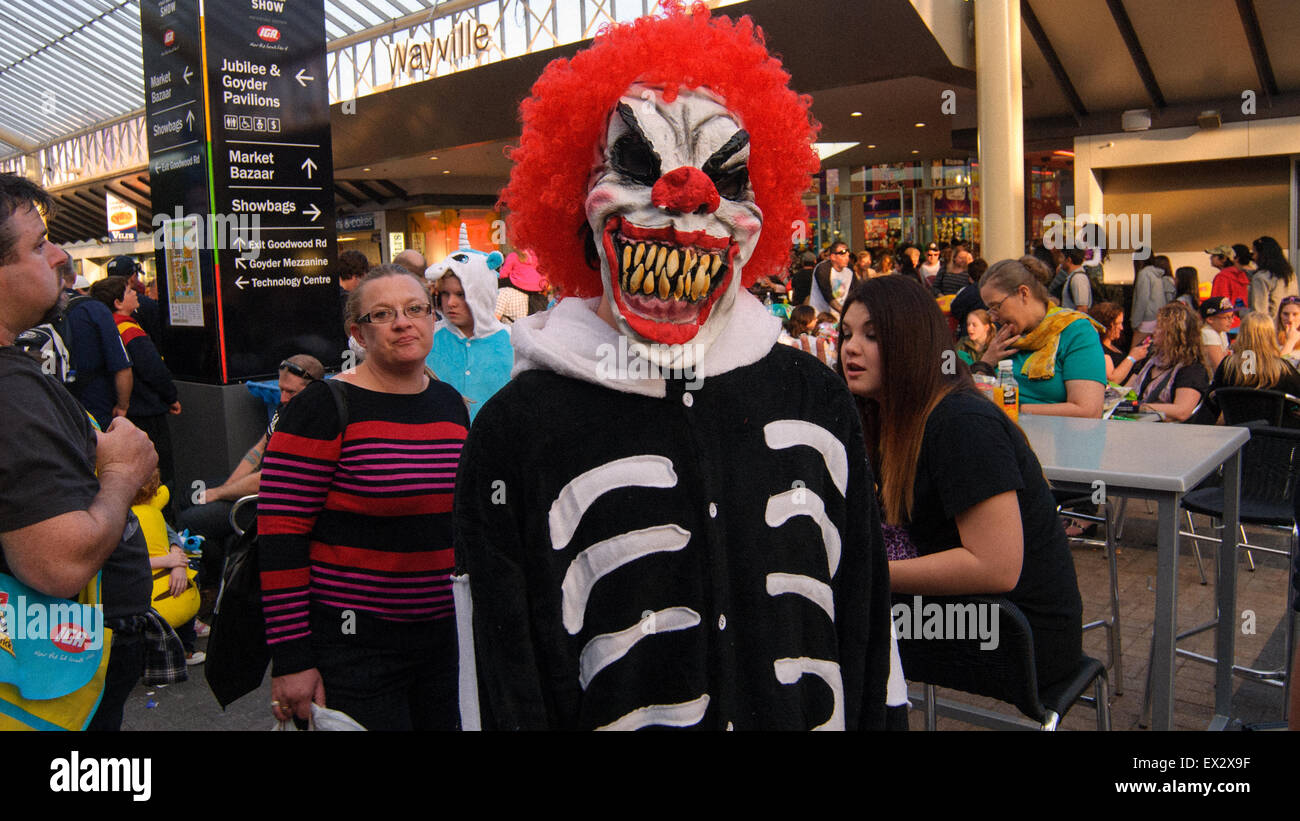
(664, 279)
(673, 211)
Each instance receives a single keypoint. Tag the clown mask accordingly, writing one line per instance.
(674, 218)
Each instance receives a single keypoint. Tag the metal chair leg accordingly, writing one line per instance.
(1103, 704)
(1116, 651)
(931, 715)
(1250, 560)
(1119, 517)
(1290, 629)
(1196, 548)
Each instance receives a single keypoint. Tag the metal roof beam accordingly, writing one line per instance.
(1258, 52)
(1125, 26)
(1053, 61)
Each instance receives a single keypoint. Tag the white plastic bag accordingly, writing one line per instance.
(322, 718)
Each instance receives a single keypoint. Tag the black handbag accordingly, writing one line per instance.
(237, 651)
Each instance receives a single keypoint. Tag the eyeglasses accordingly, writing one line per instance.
(994, 307)
(384, 316)
(837, 253)
(296, 370)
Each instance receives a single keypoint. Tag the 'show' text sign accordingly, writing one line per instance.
(272, 176)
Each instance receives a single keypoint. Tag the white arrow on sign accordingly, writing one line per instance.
(189, 120)
(241, 282)
(308, 166)
(238, 242)
(187, 75)
(240, 263)
(300, 77)
(312, 212)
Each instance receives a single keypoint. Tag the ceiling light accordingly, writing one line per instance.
(445, 171)
(871, 145)
(919, 125)
(433, 158)
(855, 114)
(914, 151)
(365, 169)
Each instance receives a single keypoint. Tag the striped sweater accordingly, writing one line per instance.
(356, 527)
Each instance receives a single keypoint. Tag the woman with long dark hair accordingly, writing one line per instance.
(1187, 286)
(1273, 278)
(955, 472)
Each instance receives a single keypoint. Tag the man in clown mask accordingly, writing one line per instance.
(665, 518)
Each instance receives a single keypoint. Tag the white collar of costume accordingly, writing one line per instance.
(571, 340)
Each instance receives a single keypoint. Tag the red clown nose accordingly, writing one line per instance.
(686, 190)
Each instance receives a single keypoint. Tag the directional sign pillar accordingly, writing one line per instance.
(241, 170)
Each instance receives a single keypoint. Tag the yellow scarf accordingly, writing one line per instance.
(1044, 341)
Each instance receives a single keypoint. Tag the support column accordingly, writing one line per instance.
(1001, 128)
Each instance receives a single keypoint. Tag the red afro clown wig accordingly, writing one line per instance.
(565, 119)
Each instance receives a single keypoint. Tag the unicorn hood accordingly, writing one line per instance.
(477, 272)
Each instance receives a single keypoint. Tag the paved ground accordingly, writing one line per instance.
(1263, 591)
(190, 705)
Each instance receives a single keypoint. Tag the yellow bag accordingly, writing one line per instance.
(56, 670)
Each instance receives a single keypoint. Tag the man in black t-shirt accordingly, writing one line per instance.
(65, 489)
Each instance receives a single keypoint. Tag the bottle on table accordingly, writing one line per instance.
(1008, 390)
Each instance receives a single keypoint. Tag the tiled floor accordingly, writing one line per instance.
(1263, 591)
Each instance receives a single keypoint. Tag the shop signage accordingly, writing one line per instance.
(258, 125)
(465, 39)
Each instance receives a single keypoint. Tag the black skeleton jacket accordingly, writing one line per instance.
(710, 559)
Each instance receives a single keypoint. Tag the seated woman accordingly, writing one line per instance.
(1172, 380)
(1288, 328)
(1256, 361)
(1055, 353)
(1111, 319)
(956, 472)
(979, 333)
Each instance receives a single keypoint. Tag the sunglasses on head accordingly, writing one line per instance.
(296, 370)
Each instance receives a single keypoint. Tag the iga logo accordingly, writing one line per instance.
(268, 33)
(70, 638)
(169, 37)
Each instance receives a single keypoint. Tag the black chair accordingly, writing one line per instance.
(1005, 672)
(1068, 503)
(1270, 481)
(1242, 405)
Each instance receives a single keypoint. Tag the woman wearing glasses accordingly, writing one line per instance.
(1056, 354)
(355, 523)
(955, 473)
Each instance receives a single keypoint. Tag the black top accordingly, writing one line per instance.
(800, 285)
(971, 452)
(1288, 383)
(47, 468)
(1189, 376)
(769, 559)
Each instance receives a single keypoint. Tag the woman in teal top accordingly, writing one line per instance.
(1056, 353)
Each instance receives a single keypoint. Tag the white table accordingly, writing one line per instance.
(1160, 462)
